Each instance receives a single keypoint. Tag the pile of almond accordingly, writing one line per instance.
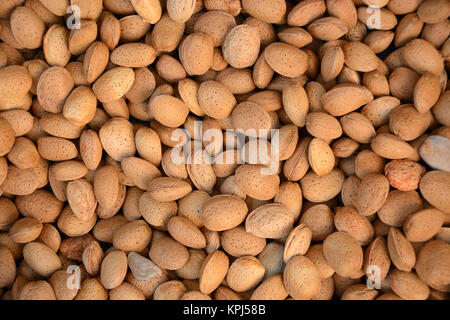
(100, 99)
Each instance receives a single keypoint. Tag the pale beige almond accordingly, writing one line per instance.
(243, 39)
(347, 219)
(25, 230)
(389, 146)
(430, 59)
(80, 106)
(245, 274)
(133, 236)
(81, 38)
(24, 154)
(255, 183)
(386, 20)
(426, 92)
(56, 149)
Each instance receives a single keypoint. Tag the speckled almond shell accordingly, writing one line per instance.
(168, 110)
(390, 146)
(168, 253)
(244, 274)
(117, 138)
(56, 149)
(185, 232)
(25, 230)
(347, 219)
(343, 253)
(298, 242)
(41, 205)
(41, 258)
(265, 10)
(372, 194)
(81, 198)
(286, 60)
(213, 271)
(133, 236)
(269, 221)
(245, 40)
(54, 86)
(168, 189)
(306, 12)
(400, 250)
(321, 189)
(114, 84)
(71, 226)
(422, 57)
(255, 183)
(113, 269)
(320, 157)
(223, 212)
(148, 10)
(328, 28)
(301, 278)
(215, 99)
(433, 264)
(434, 187)
(423, 225)
(196, 53)
(133, 55)
(56, 46)
(346, 98)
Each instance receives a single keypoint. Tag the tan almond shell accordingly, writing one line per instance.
(244, 274)
(400, 250)
(262, 223)
(213, 271)
(113, 269)
(41, 258)
(185, 232)
(343, 253)
(433, 263)
(223, 212)
(25, 230)
(301, 278)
